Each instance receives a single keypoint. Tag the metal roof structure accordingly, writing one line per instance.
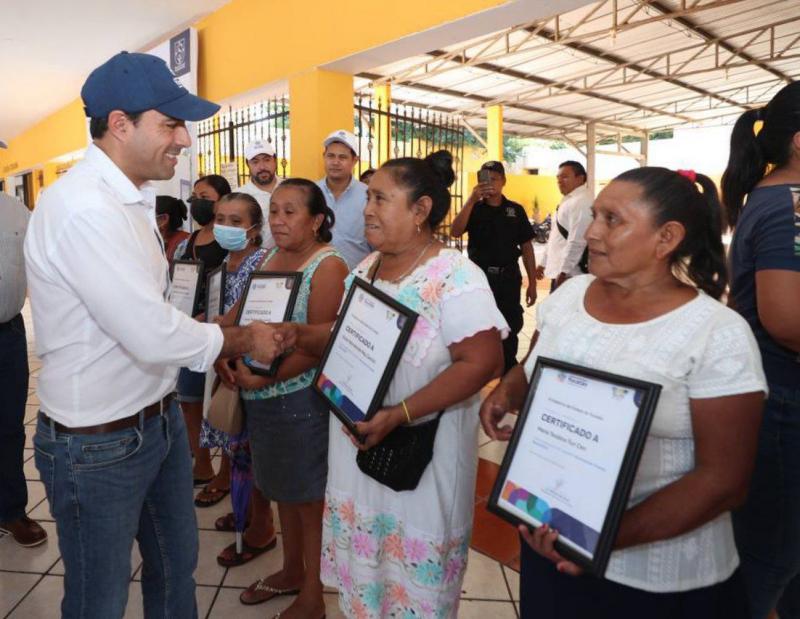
(621, 67)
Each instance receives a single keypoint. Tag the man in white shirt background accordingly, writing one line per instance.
(564, 255)
(13, 376)
(263, 166)
(111, 448)
(345, 195)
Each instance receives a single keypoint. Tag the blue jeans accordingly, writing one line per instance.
(105, 490)
(13, 395)
(767, 527)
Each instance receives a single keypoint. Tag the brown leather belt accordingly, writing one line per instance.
(112, 426)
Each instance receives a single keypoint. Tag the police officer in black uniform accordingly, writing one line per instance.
(499, 233)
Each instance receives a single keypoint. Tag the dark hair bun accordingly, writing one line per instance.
(441, 162)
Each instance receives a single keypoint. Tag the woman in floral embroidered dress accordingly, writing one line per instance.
(404, 554)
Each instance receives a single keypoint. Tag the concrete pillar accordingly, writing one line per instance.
(320, 102)
(591, 156)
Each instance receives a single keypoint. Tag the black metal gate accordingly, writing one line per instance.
(223, 138)
(414, 132)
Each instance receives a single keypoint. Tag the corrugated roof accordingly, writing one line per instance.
(627, 65)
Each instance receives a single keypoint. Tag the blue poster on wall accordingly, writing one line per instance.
(179, 53)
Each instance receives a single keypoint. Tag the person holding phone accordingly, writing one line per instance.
(499, 233)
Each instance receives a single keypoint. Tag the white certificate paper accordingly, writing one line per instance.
(569, 455)
(360, 354)
(183, 292)
(266, 300)
(214, 295)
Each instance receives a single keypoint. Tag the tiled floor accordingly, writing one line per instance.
(31, 580)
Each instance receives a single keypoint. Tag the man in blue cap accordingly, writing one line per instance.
(110, 448)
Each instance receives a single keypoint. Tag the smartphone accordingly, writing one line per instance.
(483, 176)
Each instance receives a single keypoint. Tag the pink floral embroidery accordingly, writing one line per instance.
(422, 329)
(437, 268)
(344, 577)
(327, 567)
(453, 569)
(447, 274)
(364, 545)
(416, 550)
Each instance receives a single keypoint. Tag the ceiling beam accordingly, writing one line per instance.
(707, 35)
(482, 99)
(605, 56)
(543, 81)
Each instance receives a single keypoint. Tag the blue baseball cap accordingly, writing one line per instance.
(136, 83)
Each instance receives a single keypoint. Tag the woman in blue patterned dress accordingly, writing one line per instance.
(288, 424)
(237, 227)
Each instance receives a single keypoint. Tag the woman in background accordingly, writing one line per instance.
(202, 245)
(170, 215)
(765, 289)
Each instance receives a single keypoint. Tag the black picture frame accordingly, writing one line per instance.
(410, 319)
(619, 498)
(198, 266)
(221, 271)
(293, 278)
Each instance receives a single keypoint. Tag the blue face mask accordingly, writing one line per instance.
(231, 237)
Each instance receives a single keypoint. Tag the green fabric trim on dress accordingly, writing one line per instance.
(300, 315)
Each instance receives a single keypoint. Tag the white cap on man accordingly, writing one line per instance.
(345, 137)
(258, 147)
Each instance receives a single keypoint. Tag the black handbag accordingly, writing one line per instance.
(401, 458)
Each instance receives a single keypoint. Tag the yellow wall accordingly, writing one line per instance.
(60, 133)
(321, 102)
(249, 43)
(527, 188)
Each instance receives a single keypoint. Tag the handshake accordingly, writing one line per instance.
(261, 342)
(270, 341)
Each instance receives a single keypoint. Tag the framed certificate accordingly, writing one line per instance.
(269, 296)
(365, 347)
(215, 293)
(573, 455)
(186, 276)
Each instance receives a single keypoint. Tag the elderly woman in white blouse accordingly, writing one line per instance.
(650, 310)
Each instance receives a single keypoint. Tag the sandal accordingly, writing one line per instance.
(269, 592)
(210, 496)
(248, 553)
(227, 523)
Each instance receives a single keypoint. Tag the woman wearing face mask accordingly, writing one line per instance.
(170, 215)
(288, 424)
(202, 245)
(237, 228)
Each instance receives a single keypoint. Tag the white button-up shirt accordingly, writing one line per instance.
(574, 214)
(14, 217)
(109, 342)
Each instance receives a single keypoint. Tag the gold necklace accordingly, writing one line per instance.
(407, 271)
